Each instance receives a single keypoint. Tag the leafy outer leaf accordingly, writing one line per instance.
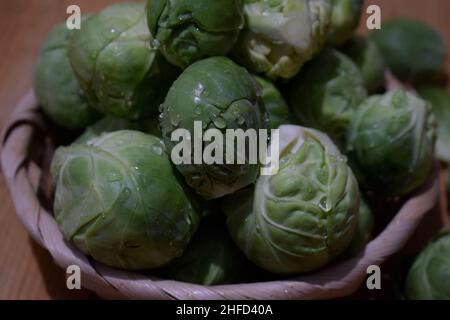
(391, 142)
(190, 30)
(56, 86)
(326, 93)
(304, 216)
(280, 36)
(364, 229)
(120, 73)
(274, 102)
(370, 61)
(440, 101)
(344, 20)
(223, 96)
(429, 276)
(119, 201)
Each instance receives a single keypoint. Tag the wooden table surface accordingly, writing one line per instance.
(26, 270)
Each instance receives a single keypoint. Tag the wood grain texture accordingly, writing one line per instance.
(26, 270)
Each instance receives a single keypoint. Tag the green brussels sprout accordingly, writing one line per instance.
(391, 142)
(364, 229)
(429, 276)
(326, 93)
(56, 85)
(189, 30)
(440, 101)
(370, 61)
(119, 72)
(281, 35)
(345, 16)
(274, 102)
(211, 258)
(221, 95)
(304, 216)
(118, 200)
(105, 125)
(414, 52)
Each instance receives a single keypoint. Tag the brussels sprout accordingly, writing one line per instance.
(429, 276)
(370, 61)
(364, 229)
(119, 72)
(345, 16)
(413, 51)
(281, 35)
(106, 125)
(275, 104)
(391, 142)
(189, 30)
(118, 200)
(326, 93)
(56, 86)
(211, 258)
(301, 218)
(440, 101)
(222, 96)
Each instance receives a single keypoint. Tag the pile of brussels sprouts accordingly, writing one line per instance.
(135, 72)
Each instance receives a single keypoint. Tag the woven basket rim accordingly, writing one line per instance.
(336, 280)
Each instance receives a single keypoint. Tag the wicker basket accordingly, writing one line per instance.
(27, 146)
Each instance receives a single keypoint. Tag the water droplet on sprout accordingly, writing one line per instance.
(323, 204)
(220, 123)
(198, 110)
(157, 149)
(114, 176)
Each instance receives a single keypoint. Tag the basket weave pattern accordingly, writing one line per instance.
(26, 133)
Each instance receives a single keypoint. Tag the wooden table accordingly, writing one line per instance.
(26, 270)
